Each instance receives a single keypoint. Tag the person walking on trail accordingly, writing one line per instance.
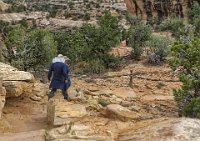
(58, 76)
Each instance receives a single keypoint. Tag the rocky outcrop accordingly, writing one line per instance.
(160, 9)
(180, 129)
(17, 17)
(16, 82)
(81, 7)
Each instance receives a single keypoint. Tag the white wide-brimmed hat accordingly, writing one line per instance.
(60, 55)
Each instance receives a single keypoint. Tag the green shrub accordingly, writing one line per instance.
(187, 56)
(92, 66)
(159, 47)
(86, 17)
(193, 12)
(34, 49)
(67, 15)
(174, 25)
(192, 109)
(138, 35)
(90, 46)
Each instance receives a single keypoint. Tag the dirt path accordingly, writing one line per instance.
(20, 115)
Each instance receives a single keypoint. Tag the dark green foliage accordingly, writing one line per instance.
(4, 28)
(16, 8)
(159, 47)
(89, 46)
(24, 23)
(138, 34)
(194, 16)
(52, 13)
(34, 49)
(86, 17)
(67, 15)
(194, 12)
(192, 109)
(174, 25)
(187, 56)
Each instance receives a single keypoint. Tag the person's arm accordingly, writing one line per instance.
(50, 72)
(65, 73)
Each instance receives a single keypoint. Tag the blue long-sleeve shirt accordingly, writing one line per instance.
(58, 73)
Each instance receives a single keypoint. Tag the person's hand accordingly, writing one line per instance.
(66, 81)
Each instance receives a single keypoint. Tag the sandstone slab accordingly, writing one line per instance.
(60, 112)
(121, 113)
(17, 76)
(180, 129)
(75, 132)
(16, 88)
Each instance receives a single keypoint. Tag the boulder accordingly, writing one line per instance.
(16, 88)
(16, 82)
(60, 112)
(2, 97)
(40, 89)
(17, 76)
(179, 129)
(119, 112)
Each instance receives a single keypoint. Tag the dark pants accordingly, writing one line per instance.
(52, 93)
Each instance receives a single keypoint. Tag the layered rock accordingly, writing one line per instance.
(16, 82)
(75, 132)
(160, 9)
(180, 129)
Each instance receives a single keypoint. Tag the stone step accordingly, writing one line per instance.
(61, 112)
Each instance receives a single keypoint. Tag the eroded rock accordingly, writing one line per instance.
(180, 129)
(16, 82)
(121, 113)
(75, 132)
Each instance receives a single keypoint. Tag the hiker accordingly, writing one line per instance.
(58, 76)
(68, 84)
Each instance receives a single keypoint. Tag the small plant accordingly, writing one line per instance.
(159, 47)
(160, 85)
(86, 17)
(67, 15)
